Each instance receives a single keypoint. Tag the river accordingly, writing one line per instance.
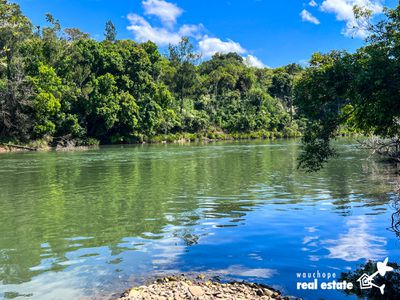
(74, 225)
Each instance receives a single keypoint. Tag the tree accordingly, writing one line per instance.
(358, 90)
(182, 58)
(110, 32)
(104, 106)
(282, 85)
(46, 102)
(75, 34)
(62, 84)
(15, 91)
(128, 114)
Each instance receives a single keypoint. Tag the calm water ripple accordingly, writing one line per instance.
(80, 224)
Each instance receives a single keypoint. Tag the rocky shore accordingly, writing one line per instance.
(183, 288)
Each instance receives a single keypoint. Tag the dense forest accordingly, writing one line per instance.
(60, 86)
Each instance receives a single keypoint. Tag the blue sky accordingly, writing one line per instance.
(266, 32)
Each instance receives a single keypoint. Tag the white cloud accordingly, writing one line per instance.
(194, 31)
(306, 16)
(208, 46)
(169, 33)
(253, 61)
(312, 3)
(167, 12)
(143, 32)
(343, 9)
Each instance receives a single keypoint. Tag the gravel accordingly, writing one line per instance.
(182, 288)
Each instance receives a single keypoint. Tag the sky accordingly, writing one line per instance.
(269, 33)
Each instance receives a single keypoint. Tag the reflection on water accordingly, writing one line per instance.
(92, 223)
(358, 242)
(395, 227)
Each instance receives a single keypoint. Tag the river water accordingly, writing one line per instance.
(77, 225)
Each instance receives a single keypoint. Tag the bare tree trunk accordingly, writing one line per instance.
(389, 148)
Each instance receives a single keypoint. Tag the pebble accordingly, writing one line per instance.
(133, 293)
(196, 291)
(183, 288)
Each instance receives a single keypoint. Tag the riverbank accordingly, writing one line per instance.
(15, 148)
(214, 136)
(47, 144)
(183, 288)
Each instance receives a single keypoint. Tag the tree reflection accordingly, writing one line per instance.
(396, 217)
(384, 172)
(58, 207)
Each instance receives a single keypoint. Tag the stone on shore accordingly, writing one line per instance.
(196, 291)
(183, 288)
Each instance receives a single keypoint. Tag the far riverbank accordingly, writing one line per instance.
(49, 144)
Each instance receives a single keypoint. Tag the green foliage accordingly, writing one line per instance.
(104, 105)
(110, 32)
(61, 86)
(129, 113)
(358, 91)
(15, 30)
(46, 102)
(184, 75)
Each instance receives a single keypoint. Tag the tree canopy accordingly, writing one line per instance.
(358, 90)
(59, 84)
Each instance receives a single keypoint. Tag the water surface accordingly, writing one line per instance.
(74, 225)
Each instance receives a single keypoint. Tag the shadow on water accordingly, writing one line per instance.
(396, 217)
(79, 222)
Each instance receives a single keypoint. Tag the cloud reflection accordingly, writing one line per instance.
(358, 243)
(241, 271)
